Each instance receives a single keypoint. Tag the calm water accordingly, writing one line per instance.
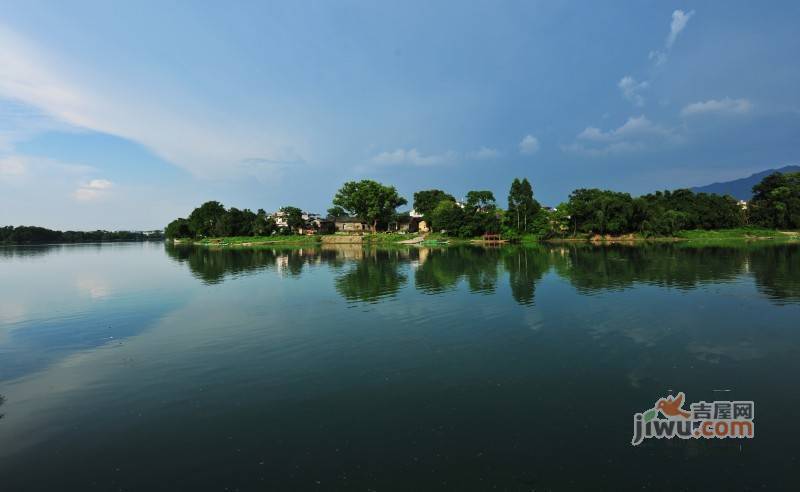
(146, 367)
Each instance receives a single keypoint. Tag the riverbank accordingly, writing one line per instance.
(435, 239)
(697, 235)
(249, 240)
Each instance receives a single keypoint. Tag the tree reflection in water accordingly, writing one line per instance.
(374, 274)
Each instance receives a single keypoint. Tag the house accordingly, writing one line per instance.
(350, 224)
(323, 225)
(280, 218)
(409, 222)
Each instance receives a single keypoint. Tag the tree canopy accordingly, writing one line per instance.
(522, 208)
(369, 200)
(294, 218)
(776, 201)
(40, 235)
(426, 200)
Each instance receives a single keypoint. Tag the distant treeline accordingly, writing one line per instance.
(587, 212)
(40, 235)
(775, 205)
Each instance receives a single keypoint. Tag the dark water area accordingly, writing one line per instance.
(143, 366)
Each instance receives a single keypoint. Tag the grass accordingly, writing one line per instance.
(745, 233)
(388, 238)
(251, 240)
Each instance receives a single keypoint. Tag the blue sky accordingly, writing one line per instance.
(124, 115)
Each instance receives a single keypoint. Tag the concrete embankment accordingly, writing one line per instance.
(340, 239)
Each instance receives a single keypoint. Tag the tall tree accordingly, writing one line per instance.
(514, 202)
(262, 225)
(426, 200)
(776, 201)
(178, 228)
(521, 205)
(447, 216)
(203, 219)
(481, 200)
(336, 212)
(369, 200)
(294, 218)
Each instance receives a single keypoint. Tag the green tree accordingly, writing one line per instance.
(294, 218)
(336, 212)
(480, 214)
(481, 200)
(522, 208)
(448, 216)
(178, 228)
(426, 200)
(203, 219)
(776, 201)
(262, 225)
(369, 200)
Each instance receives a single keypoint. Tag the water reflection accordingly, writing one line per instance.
(375, 274)
(213, 265)
(525, 267)
(777, 272)
(269, 371)
(442, 269)
(2, 401)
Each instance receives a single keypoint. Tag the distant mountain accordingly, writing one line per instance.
(742, 189)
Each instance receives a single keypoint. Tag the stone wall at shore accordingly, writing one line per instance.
(341, 239)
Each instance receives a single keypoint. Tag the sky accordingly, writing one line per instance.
(126, 115)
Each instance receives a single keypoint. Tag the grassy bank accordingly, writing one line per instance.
(386, 238)
(738, 234)
(744, 233)
(250, 240)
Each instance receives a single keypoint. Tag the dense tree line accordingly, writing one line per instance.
(477, 215)
(212, 219)
(776, 201)
(775, 204)
(41, 235)
(593, 211)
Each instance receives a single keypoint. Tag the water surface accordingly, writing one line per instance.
(150, 367)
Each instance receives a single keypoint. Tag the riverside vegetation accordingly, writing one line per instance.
(41, 235)
(587, 214)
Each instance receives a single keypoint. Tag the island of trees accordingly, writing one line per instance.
(587, 213)
(41, 235)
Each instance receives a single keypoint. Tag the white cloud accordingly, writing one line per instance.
(94, 189)
(12, 167)
(679, 21)
(631, 89)
(413, 157)
(484, 153)
(678, 24)
(637, 134)
(24, 169)
(529, 145)
(636, 126)
(182, 131)
(658, 57)
(718, 106)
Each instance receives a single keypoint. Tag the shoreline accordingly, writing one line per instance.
(387, 239)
